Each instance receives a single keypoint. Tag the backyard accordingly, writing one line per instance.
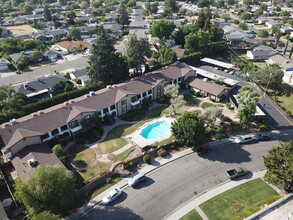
(240, 201)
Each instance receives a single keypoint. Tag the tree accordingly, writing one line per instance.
(36, 55)
(176, 100)
(247, 100)
(28, 9)
(285, 13)
(243, 26)
(154, 7)
(47, 13)
(136, 51)
(247, 2)
(145, 13)
(287, 43)
(75, 34)
(58, 150)
(171, 90)
(70, 14)
(48, 188)
(104, 64)
(162, 29)
(46, 215)
(225, 16)
(263, 33)
(231, 2)
(10, 99)
(189, 129)
(203, 3)
(279, 164)
(171, 4)
(122, 15)
(198, 41)
(245, 16)
(268, 76)
(210, 115)
(167, 56)
(84, 5)
(277, 33)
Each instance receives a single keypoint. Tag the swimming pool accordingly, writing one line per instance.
(155, 130)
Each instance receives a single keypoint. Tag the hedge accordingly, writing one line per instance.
(192, 57)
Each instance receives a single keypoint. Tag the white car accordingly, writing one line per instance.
(112, 195)
(245, 139)
(136, 179)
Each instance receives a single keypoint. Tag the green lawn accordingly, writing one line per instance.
(260, 26)
(114, 141)
(191, 100)
(83, 154)
(164, 142)
(123, 155)
(98, 170)
(232, 202)
(192, 215)
(286, 102)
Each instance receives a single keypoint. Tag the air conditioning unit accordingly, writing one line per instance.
(91, 93)
(13, 121)
(109, 86)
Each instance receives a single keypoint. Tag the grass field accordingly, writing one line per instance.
(233, 202)
(123, 155)
(21, 29)
(83, 154)
(286, 102)
(192, 215)
(98, 170)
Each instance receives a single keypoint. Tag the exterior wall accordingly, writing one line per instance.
(156, 89)
(25, 142)
(190, 73)
(4, 67)
(249, 55)
(288, 78)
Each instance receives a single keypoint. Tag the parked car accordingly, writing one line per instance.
(204, 149)
(237, 172)
(245, 139)
(232, 72)
(226, 70)
(114, 194)
(263, 137)
(136, 179)
(216, 68)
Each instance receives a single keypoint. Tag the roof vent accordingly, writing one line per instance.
(25, 86)
(205, 79)
(91, 93)
(40, 112)
(7, 124)
(66, 103)
(13, 121)
(33, 163)
(34, 114)
(71, 101)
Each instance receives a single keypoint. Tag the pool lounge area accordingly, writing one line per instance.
(151, 132)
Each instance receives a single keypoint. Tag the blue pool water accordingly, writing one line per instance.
(155, 130)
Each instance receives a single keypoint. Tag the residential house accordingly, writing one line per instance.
(261, 53)
(51, 54)
(80, 75)
(32, 156)
(38, 11)
(4, 65)
(272, 23)
(40, 89)
(48, 35)
(286, 29)
(87, 19)
(258, 111)
(113, 101)
(64, 47)
(115, 28)
(286, 66)
(16, 57)
(209, 89)
(47, 25)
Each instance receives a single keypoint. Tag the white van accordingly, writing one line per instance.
(136, 179)
(245, 139)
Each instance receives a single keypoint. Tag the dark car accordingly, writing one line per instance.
(263, 137)
(204, 149)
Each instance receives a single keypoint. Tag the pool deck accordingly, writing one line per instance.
(141, 141)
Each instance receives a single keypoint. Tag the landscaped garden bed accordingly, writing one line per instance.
(240, 202)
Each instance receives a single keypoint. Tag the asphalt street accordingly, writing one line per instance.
(170, 186)
(273, 117)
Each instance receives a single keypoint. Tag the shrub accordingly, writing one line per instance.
(108, 180)
(270, 200)
(247, 213)
(147, 159)
(212, 99)
(161, 152)
(58, 150)
(238, 218)
(288, 112)
(192, 57)
(63, 158)
(263, 127)
(207, 105)
(255, 209)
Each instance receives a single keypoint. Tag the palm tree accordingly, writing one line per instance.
(287, 43)
(10, 100)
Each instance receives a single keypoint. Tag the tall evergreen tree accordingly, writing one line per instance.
(47, 14)
(167, 56)
(104, 64)
(122, 15)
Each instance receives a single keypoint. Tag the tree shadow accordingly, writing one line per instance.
(144, 184)
(110, 213)
(223, 154)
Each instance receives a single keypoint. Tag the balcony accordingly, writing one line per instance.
(134, 102)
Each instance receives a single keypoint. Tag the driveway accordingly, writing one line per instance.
(174, 184)
(273, 117)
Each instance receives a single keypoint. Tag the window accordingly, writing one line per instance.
(54, 132)
(150, 92)
(112, 107)
(99, 113)
(159, 91)
(74, 124)
(87, 117)
(133, 99)
(64, 128)
(138, 96)
(105, 110)
(44, 136)
(124, 106)
(144, 94)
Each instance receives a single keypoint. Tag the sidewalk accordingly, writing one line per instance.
(208, 194)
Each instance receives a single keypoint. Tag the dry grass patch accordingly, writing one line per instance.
(82, 154)
(21, 29)
(98, 170)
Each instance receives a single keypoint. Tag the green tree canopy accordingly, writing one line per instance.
(122, 15)
(245, 16)
(211, 114)
(10, 100)
(189, 129)
(136, 51)
(48, 188)
(104, 64)
(47, 216)
(47, 13)
(28, 9)
(167, 56)
(263, 33)
(197, 41)
(172, 5)
(58, 150)
(162, 28)
(70, 14)
(285, 13)
(279, 164)
(243, 26)
(75, 34)
(247, 100)
(269, 76)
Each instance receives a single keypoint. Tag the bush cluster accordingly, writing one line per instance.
(161, 152)
(147, 159)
